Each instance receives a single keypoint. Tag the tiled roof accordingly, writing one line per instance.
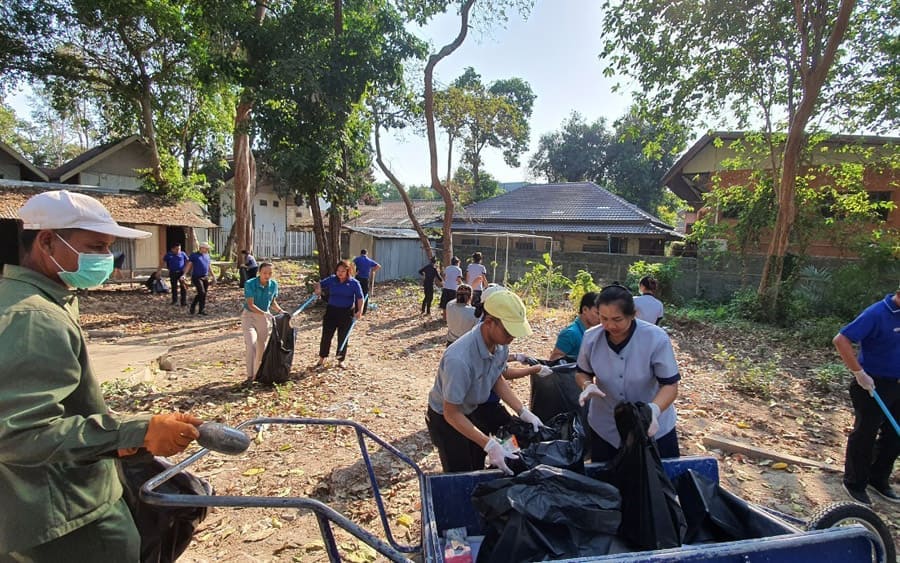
(576, 202)
(636, 229)
(578, 207)
(392, 214)
(132, 208)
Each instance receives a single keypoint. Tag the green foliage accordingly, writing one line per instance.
(544, 276)
(388, 192)
(746, 376)
(584, 283)
(665, 273)
(817, 331)
(701, 311)
(175, 186)
(745, 304)
(828, 377)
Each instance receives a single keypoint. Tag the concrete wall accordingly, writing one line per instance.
(714, 280)
(10, 168)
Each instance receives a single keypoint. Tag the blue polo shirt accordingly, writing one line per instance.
(176, 262)
(569, 340)
(877, 331)
(364, 266)
(201, 264)
(262, 295)
(343, 295)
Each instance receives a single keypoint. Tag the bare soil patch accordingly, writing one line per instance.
(393, 356)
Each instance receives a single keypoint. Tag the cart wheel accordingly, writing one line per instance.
(847, 513)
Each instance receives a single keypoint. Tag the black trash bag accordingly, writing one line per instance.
(556, 393)
(165, 531)
(711, 515)
(546, 513)
(561, 443)
(651, 516)
(279, 354)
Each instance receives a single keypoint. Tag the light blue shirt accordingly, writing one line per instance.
(262, 295)
(467, 373)
(634, 374)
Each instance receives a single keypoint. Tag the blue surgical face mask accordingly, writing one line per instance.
(93, 269)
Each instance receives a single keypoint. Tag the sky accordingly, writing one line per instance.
(555, 50)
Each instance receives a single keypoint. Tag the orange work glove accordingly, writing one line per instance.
(171, 433)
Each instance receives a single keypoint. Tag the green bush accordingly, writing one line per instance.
(829, 377)
(818, 331)
(534, 285)
(584, 283)
(745, 304)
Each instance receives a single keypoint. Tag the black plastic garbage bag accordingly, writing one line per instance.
(546, 513)
(165, 531)
(561, 443)
(711, 514)
(556, 393)
(279, 354)
(651, 515)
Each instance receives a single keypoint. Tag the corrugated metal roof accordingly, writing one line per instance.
(132, 208)
(636, 229)
(385, 233)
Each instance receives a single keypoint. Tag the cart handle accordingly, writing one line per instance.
(324, 513)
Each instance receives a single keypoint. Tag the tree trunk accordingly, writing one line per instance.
(243, 197)
(433, 60)
(813, 77)
(149, 130)
(423, 238)
(326, 262)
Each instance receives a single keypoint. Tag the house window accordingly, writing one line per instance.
(881, 197)
(597, 237)
(612, 245)
(275, 203)
(263, 203)
(525, 244)
(470, 242)
(651, 247)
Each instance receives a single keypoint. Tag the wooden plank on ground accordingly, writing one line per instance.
(734, 447)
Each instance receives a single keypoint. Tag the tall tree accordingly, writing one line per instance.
(574, 153)
(777, 62)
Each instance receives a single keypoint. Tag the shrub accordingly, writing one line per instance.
(818, 331)
(829, 377)
(584, 283)
(665, 273)
(533, 287)
(745, 304)
(748, 377)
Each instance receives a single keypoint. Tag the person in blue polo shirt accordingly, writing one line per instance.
(345, 300)
(175, 260)
(260, 293)
(365, 269)
(198, 267)
(873, 445)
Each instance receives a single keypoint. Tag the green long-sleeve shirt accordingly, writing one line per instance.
(54, 425)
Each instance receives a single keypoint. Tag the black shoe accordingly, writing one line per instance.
(183, 304)
(203, 313)
(191, 312)
(858, 495)
(886, 492)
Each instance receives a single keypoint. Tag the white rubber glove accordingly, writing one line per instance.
(865, 380)
(269, 316)
(529, 417)
(590, 391)
(654, 422)
(525, 359)
(497, 456)
(544, 371)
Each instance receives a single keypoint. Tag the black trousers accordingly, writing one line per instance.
(476, 297)
(601, 450)
(457, 452)
(336, 319)
(364, 282)
(429, 297)
(201, 284)
(175, 282)
(447, 295)
(873, 445)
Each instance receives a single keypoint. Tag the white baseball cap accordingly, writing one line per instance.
(62, 209)
(204, 245)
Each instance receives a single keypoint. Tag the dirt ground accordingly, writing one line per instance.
(393, 356)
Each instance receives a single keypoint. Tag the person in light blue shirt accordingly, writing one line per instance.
(365, 270)
(873, 445)
(256, 319)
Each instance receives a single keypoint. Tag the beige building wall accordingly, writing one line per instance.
(146, 250)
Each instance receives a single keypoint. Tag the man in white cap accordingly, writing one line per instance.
(58, 481)
(459, 418)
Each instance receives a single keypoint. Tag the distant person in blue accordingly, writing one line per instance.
(429, 274)
(249, 267)
(365, 270)
(199, 269)
(345, 301)
(569, 340)
(175, 260)
(256, 320)
(873, 445)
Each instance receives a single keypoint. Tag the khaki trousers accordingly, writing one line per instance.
(256, 330)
